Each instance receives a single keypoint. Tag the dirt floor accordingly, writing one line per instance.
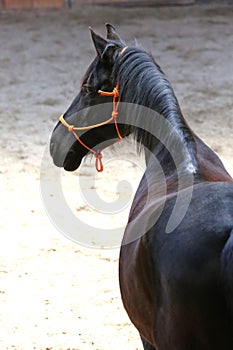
(56, 294)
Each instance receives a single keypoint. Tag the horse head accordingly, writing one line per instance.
(68, 151)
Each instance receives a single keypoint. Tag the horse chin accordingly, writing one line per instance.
(72, 161)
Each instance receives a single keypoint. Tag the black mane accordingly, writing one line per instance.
(137, 68)
(142, 82)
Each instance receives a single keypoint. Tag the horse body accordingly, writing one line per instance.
(176, 284)
(172, 285)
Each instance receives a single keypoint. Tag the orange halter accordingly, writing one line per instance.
(71, 128)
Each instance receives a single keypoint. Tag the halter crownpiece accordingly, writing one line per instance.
(71, 128)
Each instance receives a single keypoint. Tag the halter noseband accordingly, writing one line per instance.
(71, 128)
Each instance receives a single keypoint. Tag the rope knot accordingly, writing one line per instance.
(114, 114)
(115, 92)
(70, 128)
(98, 162)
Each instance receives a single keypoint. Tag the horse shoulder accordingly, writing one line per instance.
(210, 166)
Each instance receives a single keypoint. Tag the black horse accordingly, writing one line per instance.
(176, 276)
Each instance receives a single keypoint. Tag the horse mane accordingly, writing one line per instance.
(142, 82)
(151, 88)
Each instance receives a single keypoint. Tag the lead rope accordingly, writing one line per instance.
(71, 128)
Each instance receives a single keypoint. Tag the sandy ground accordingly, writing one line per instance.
(56, 294)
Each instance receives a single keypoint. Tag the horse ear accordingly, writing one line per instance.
(104, 49)
(111, 32)
(99, 43)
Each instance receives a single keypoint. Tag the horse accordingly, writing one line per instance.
(176, 280)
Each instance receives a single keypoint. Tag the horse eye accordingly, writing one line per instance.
(88, 89)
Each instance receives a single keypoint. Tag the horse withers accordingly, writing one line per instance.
(176, 258)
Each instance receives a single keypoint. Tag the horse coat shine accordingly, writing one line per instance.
(177, 288)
